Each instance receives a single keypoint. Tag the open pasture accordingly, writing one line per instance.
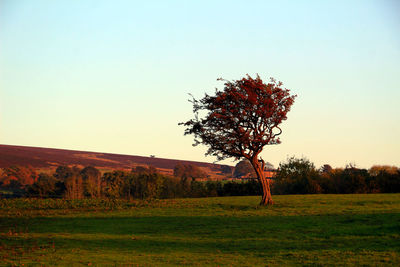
(298, 230)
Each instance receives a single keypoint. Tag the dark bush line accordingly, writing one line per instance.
(299, 176)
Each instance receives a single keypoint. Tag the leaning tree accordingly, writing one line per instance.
(240, 120)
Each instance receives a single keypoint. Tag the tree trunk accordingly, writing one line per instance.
(259, 169)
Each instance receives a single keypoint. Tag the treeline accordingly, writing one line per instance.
(139, 183)
(295, 176)
(299, 176)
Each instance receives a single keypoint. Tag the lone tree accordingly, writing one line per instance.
(240, 121)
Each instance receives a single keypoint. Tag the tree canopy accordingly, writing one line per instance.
(241, 119)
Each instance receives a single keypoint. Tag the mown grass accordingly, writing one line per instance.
(299, 230)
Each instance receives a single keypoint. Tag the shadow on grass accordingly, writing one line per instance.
(255, 234)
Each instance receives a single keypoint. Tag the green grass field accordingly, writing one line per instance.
(231, 231)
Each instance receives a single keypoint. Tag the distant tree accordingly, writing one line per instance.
(171, 188)
(73, 181)
(240, 121)
(297, 176)
(91, 182)
(244, 168)
(113, 184)
(350, 180)
(144, 169)
(146, 184)
(62, 172)
(188, 171)
(45, 186)
(376, 169)
(212, 188)
(13, 185)
(18, 176)
(198, 189)
(386, 182)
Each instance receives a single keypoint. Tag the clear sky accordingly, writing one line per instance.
(114, 76)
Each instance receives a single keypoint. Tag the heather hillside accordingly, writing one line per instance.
(39, 157)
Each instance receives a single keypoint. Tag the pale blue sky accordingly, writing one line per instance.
(114, 76)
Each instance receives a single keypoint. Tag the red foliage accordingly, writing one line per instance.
(242, 118)
(23, 175)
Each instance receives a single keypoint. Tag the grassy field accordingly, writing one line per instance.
(299, 230)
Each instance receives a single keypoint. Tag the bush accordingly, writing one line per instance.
(244, 168)
(296, 176)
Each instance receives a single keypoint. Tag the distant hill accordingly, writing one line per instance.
(39, 157)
